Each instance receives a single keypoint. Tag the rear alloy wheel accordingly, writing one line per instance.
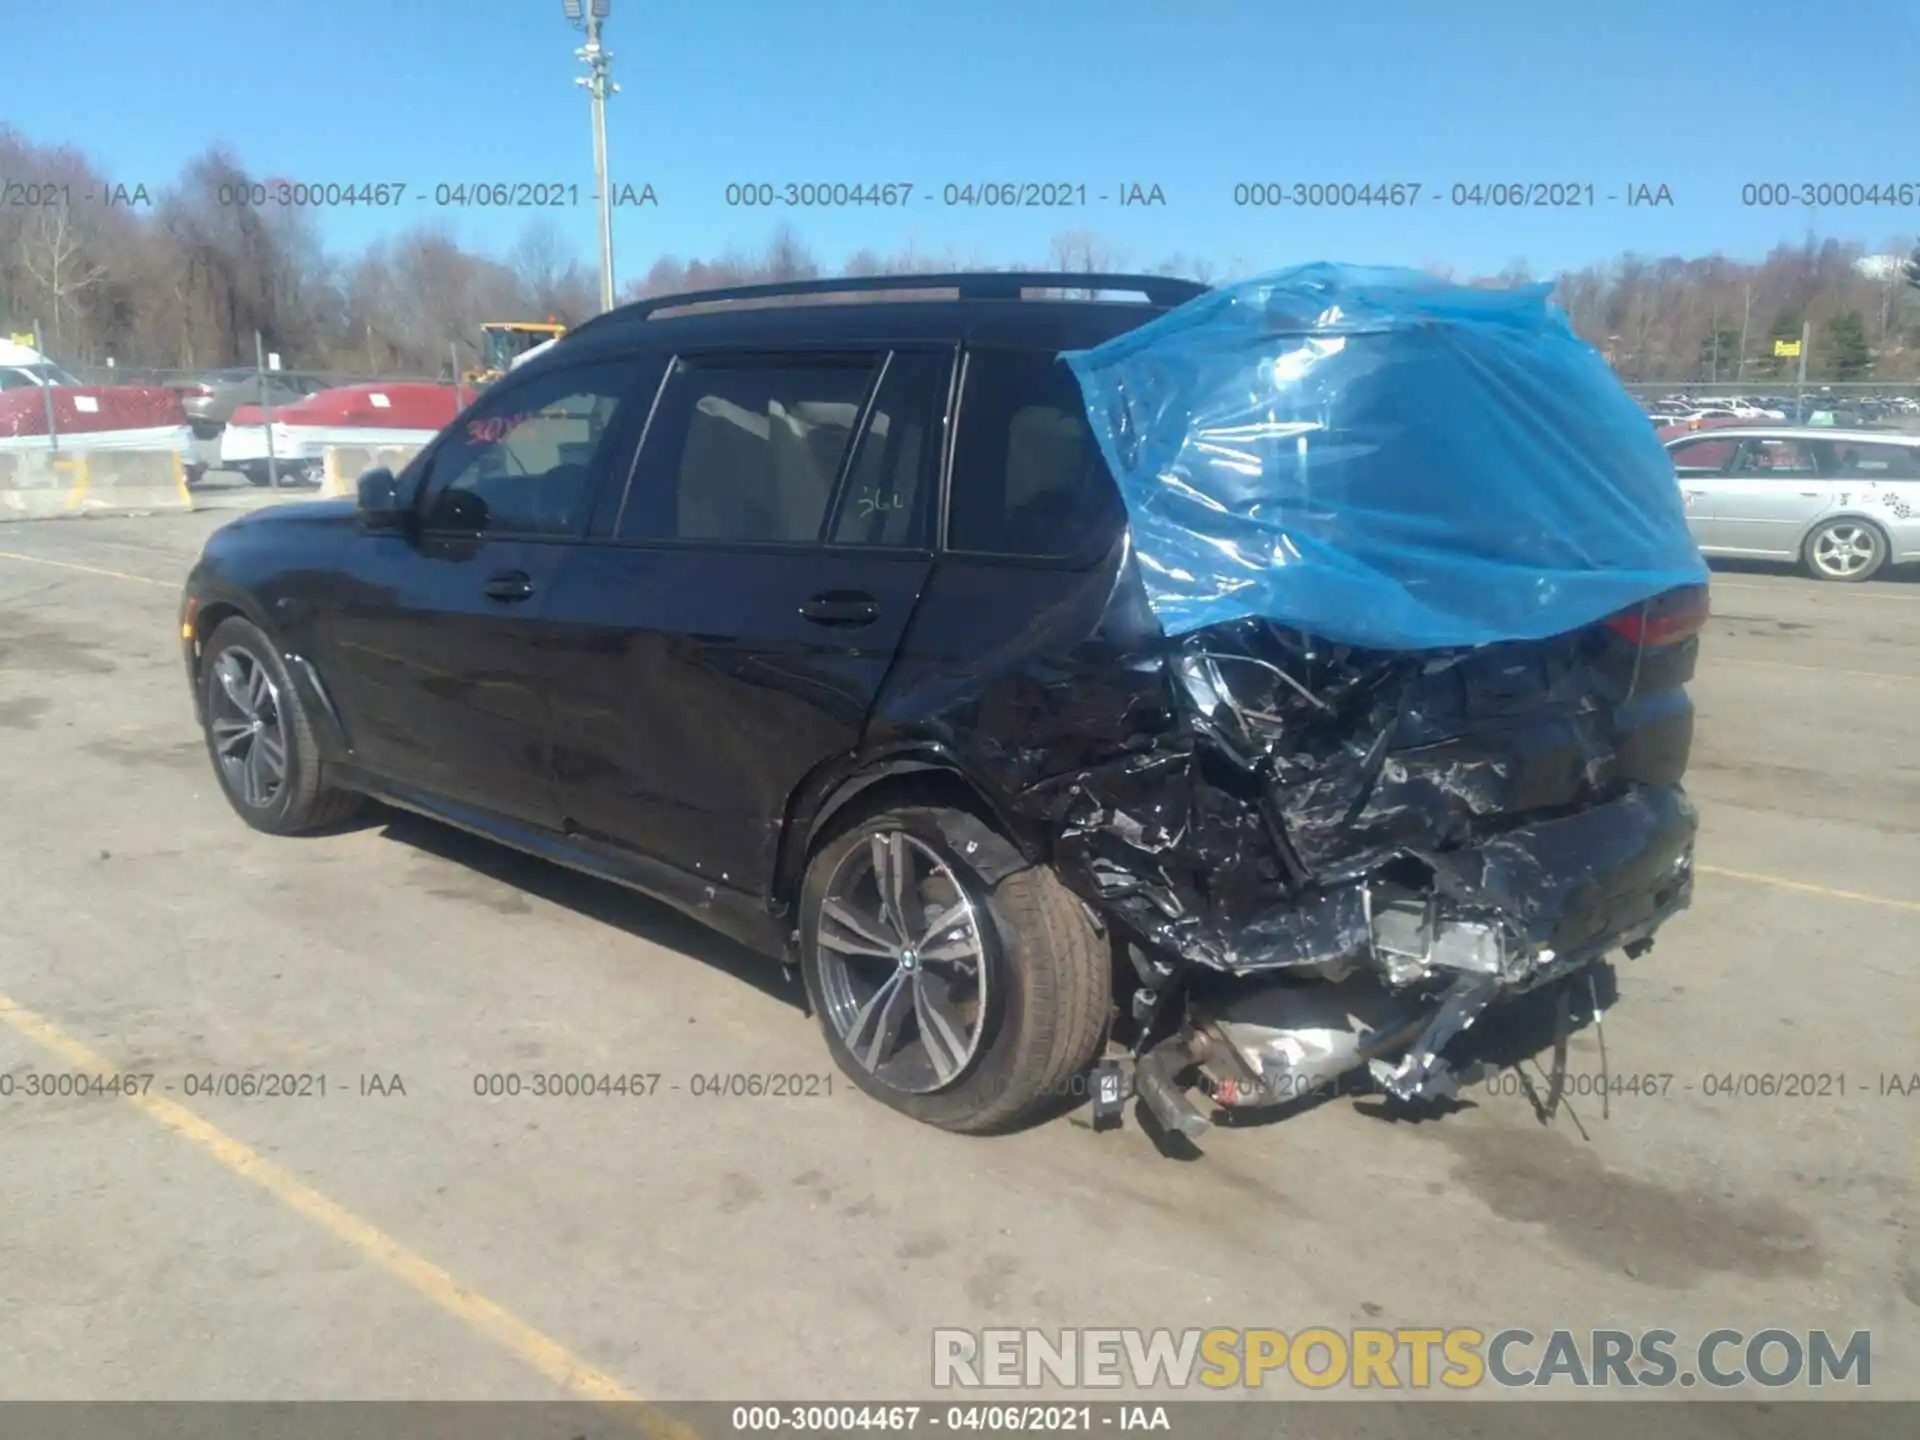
(1848, 551)
(903, 963)
(260, 739)
(954, 980)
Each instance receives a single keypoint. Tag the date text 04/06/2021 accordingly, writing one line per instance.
(924, 1419)
(195, 1084)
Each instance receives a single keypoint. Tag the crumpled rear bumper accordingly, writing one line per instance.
(1420, 964)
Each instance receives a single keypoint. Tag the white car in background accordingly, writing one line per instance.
(1843, 503)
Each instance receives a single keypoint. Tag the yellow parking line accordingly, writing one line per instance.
(88, 569)
(476, 1311)
(1826, 890)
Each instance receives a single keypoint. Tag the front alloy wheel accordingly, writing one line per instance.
(261, 740)
(248, 729)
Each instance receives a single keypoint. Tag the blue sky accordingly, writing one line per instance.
(1191, 95)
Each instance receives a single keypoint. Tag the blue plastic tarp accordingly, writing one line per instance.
(1384, 459)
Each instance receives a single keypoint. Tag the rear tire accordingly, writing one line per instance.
(1002, 1050)
(1845, 551)
(260, 739)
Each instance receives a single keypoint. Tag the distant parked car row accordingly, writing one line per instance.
(1682, 410)
(1821, 407)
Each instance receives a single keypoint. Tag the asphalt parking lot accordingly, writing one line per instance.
(402, 1237)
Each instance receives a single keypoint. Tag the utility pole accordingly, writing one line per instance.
(1800, 387)
(591, 15)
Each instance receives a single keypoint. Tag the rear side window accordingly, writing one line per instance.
(890, 487)
(1777, 459)
(746, 453)
(1028, 477)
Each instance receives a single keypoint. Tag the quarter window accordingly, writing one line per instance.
(1028, 476)
(1878, 462)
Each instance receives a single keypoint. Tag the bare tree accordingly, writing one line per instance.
(55, 257)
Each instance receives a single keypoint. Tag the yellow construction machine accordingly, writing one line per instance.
(502, 342)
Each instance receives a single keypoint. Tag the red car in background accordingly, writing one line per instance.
(1688, 427)
(34, 391)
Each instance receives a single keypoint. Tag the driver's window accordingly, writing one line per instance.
(521, 461)
(1703, 457)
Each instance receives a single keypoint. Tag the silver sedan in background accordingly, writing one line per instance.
(1844, 503)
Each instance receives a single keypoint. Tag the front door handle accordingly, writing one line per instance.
(509, 586)
(841, 607)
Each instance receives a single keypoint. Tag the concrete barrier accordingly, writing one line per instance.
(38, 484)
(44, 484)
(343, 465)
(134, 482)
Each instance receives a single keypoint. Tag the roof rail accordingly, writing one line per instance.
(1163, 290)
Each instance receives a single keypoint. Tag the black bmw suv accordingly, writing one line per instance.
(811, 610)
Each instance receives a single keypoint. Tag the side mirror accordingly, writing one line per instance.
(379, 501)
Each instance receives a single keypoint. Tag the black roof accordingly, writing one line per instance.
(985, 307)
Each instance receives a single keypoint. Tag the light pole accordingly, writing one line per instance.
(589, 15)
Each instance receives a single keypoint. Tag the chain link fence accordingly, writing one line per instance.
(1863, 405)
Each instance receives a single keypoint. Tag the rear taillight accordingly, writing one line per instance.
(1664, 620)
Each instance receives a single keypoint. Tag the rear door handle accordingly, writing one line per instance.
(509, 586)
(841, 607)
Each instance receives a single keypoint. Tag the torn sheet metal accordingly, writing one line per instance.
(1253, 800)
(1348, 708)
(1375, 456)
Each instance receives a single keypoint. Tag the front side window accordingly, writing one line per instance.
(1703, 457)
(1028, 476)
(746, 453)
(521, 460)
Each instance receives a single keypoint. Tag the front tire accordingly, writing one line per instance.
(259, 737)
(1845, 551)
(954, 981)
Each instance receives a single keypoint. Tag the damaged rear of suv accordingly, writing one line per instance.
(1222, 694)
(1371, 717)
